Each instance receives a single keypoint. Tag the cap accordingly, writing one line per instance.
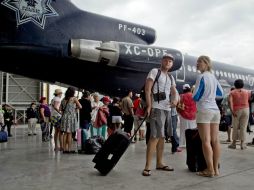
(186, 86)
(58, 91)
(106, 99)
(168, 56)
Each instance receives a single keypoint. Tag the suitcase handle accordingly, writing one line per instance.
(136, 131)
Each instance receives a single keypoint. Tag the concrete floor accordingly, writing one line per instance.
(27, 163)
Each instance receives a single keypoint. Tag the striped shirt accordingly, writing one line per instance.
(207, 88)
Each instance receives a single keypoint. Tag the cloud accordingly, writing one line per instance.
(221, 29)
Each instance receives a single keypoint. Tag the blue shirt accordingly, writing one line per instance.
(207, 88)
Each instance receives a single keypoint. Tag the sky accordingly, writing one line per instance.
(221, 29)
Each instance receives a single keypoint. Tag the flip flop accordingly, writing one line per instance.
(165, 168)
(146, 172)
(205, 173)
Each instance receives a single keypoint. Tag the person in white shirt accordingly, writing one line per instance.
(207, 88)
(158, 88)
(56, 118)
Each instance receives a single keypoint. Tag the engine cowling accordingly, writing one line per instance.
(124, 55)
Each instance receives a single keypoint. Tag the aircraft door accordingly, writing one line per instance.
(180, 74)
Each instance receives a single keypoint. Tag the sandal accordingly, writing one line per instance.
(205, 173)
(165, 168)
(146, 172)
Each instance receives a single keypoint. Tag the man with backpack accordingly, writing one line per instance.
(158, 88)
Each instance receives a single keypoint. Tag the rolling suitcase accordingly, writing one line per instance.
(112, 150)
(81, 138)
(195, 158)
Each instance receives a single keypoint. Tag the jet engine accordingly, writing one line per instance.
(123, 55)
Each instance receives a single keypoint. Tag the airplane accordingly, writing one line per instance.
(56, 42)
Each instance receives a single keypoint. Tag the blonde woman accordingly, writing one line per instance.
(208, 115)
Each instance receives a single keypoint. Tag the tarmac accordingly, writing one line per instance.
(28, 163)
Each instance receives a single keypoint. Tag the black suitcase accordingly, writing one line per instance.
(112, 150)
(195, 158)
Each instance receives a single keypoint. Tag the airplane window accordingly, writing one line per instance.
(233, 75)
(194, 68)
(213, 71)
(189, 68)
(243, 77)
(229, 75)
(236, 76)
(221, 73)
(217, 73)
(225, 74)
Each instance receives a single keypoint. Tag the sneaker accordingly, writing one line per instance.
(29, 134)
(10, 135)
(35, 134)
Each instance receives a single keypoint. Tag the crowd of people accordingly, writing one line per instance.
(161, 106)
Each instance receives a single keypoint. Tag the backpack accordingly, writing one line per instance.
(143, 94)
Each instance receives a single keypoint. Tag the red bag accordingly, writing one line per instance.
(140, 112)
(101, 118)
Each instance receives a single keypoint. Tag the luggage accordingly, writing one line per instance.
(93, 144)
(224, 123)
(3, 136)
(112, 150)
(81, 138)
(195, 158)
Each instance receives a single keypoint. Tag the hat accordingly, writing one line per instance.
(42, 98)
(137, 95)
(168, 56)
(186, 86)
(106, 99)
(58, 91)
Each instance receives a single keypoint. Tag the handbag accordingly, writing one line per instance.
(3, 136)
(140, 112)
(223, 126)
(93, 144)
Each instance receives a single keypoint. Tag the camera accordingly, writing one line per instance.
(159, 96)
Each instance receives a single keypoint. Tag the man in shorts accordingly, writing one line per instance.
(158, 89)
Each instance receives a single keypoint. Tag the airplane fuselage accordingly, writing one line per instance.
(56, 42)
